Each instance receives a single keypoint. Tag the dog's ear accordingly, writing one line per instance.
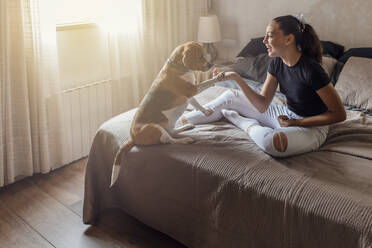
(189, 56)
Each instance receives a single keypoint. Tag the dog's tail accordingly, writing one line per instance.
(117, 161)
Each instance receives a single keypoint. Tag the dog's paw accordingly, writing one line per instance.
(208, 112)
(220, 76)
(185, 127)
(186, 140)
(188, 126)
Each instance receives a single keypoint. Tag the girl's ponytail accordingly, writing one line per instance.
(310, 44)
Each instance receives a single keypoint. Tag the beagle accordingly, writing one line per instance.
(170, 93)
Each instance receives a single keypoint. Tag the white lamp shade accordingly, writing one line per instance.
(209, 29)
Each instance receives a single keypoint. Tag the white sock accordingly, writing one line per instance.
(238, 120)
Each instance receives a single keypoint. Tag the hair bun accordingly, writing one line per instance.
(301, 21)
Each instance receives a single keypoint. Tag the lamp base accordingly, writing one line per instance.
(211, 52)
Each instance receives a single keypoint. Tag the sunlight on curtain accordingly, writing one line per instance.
(140, 36)
(111, 15)
(30, 129)
(137, 57)
(124, 32)
(121, 16)
(79, 11)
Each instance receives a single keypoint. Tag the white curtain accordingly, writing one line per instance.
(30, 133)
(141, 36)
(141, 45)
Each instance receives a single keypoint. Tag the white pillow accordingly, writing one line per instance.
(328, 64)
(355, 83)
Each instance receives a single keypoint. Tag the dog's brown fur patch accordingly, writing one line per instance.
(147, 134)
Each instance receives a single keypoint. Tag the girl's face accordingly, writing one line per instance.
(275, 40)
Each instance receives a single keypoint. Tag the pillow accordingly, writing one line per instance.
(355, 83)
(328, 64)
(253, 48)
(336, 72)
(364, 52)
(253, 67)
(332, 49)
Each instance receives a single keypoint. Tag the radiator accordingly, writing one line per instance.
(85, 108)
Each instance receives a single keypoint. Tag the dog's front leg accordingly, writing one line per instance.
(197, 106)
(210, 82)
(180, 129)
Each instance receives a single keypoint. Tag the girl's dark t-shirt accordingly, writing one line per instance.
(299, 84)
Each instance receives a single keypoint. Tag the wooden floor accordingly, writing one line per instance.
(46, 210)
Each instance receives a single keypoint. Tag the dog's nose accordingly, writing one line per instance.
(209, 65)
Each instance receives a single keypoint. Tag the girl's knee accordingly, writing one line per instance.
(230, 94)
(224, 101)
(276, 144)
(288, 142)
(280, 142)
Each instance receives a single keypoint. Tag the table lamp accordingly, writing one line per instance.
(208, 33)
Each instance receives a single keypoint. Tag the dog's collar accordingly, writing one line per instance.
(178, 66)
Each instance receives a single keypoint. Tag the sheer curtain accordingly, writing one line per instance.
(137, 54)
(30, 139)
(141, 36)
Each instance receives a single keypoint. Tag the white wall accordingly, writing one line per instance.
(346, 22)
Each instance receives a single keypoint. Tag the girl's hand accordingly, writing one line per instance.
(219, 73)
(228, 75)
(284, 121)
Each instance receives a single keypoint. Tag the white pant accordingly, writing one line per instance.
(299, 139)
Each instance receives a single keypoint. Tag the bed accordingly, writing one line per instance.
(223, 191)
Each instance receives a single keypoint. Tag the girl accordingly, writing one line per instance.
(312, 101)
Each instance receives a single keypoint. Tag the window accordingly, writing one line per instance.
(112, 15)
(78, 11)
(82, 48)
